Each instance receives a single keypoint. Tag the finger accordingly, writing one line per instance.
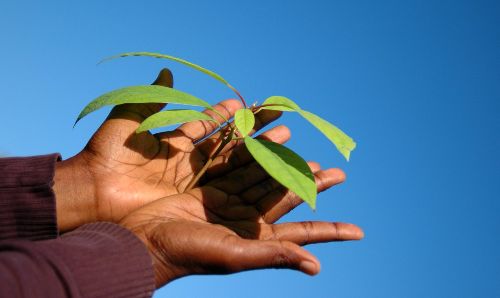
(259, 254)
(139, 112)
(278, 203)
(198, 130)
(255, 193)
(262, 119)
(308, 232)
(240, 156)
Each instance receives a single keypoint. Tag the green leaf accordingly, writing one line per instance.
(142, 94)
(170, 117)
(162, 56)
(277, 107)
(182, 61)
(286, 167)
(244, 121)
(343, 142)
(280, 103)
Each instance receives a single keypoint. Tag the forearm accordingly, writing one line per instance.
(96, 260)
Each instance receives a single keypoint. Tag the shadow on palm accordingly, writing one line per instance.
(130, 170)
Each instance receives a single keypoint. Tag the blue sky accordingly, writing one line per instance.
(415, 83)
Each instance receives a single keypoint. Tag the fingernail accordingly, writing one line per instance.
(361, 234)
(308, 267)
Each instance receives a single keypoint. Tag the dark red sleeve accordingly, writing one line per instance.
(27, 204)
(95, 260)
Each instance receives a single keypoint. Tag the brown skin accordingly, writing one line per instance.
(229, 226)
(119, 171)
(224, 225)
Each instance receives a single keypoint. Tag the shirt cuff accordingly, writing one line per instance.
(27, 201)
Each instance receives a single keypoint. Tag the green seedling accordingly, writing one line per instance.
(284, 165)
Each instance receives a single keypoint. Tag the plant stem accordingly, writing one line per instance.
(224, 139)
(239, 95)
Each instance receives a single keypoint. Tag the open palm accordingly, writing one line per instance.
(125, 170)
(229, 226)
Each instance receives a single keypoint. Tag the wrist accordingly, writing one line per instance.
(74, 192)
(148, 234)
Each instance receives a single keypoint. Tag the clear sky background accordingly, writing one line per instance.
(415, 83)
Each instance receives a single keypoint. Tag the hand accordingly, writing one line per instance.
(229, 226)
(119, 171)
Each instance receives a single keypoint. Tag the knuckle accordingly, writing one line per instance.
(291, 200)
(307, 227)
(335, 229)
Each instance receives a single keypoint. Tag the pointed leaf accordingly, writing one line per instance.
(182, 61)
(170, 117)
(142, 94)
(162, 56)
(276, 107)
(280, 103)
(244, 121)
(343, 142)
(286, 167)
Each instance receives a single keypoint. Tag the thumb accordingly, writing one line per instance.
(140, 111)
(164, 78)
